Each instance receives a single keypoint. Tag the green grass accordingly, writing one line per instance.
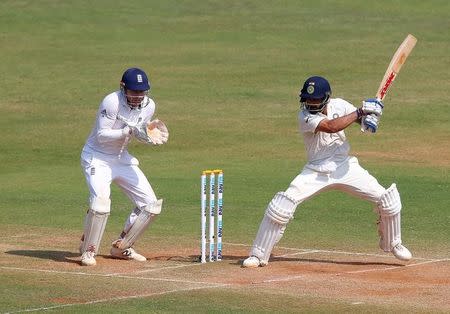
(225, 76)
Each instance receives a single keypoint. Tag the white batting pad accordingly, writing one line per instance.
(94, 226)
(281, 208)
(146, 215)
(278, 214)
(389, 226)
(390, 203)
(389, 229)
(267, 236)
(280, 234)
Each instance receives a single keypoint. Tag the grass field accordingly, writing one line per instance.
(225, 76)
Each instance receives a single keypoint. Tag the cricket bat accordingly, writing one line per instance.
(394, 67)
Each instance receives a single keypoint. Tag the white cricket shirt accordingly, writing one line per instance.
(107, 136)
(326, 151)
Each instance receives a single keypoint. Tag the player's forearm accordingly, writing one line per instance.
(109, 135)
(338, 124)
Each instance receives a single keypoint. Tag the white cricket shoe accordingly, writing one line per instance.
(252, 262)
(87, 259)
(129, 254)
(401, 252)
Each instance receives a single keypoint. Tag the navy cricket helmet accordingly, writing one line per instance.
(315, 88)
(135, 79)
(134, 87)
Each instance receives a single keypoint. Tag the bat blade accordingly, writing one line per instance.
(394, 67)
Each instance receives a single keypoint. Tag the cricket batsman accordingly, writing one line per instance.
(322, 121)
(124, 114)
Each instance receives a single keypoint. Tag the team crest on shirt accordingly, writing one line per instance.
(103, 113)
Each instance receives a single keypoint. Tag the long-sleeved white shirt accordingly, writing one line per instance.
(108, 136)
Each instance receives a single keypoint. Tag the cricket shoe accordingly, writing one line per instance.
(129, 254)
(87, 259)
(401, 252)
(252, 262)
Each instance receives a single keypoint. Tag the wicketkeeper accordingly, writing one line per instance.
(123, 114)
(322, 121)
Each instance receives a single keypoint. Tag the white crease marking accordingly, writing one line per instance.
(103, 275)
(115, 299)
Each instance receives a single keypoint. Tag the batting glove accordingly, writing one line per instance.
(371, 106)
(370, 123)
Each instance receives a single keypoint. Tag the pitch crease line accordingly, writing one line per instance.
(391, 268)
(22, 235)
(281, 279)
(104, 275)
(156, 269)
(118, 298)
(297, 253)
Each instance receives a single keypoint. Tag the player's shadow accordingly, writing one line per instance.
(237, 260)
(232, 259)
(57, 256)
(330, 261)
(191, 258)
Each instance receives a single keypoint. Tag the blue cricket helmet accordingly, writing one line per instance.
(315, 88)
(135, 79)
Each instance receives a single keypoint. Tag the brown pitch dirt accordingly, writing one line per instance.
(353, 278)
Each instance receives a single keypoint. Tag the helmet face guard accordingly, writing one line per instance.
(317, 89)
(135, 101)
(315, 108)
(135, 87)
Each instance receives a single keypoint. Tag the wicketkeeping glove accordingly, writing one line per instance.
(153, 132)
(157, 132)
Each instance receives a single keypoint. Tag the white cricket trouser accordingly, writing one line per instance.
(349, 177)
(100, 172)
